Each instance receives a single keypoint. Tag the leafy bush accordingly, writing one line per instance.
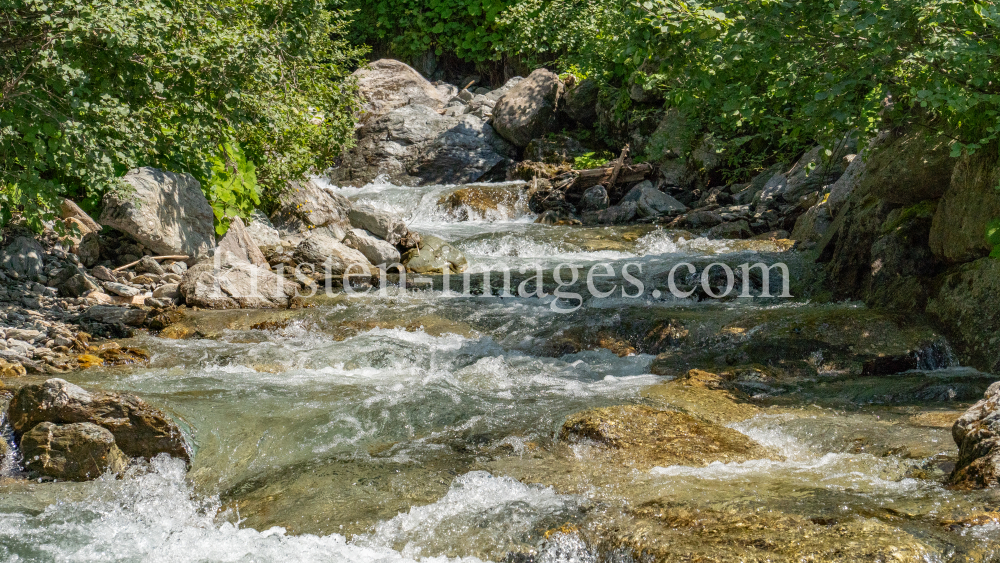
(89, 90)
(232, 187)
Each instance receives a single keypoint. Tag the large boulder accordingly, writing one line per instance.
(977, 434)
(434, 256)
(234, 284)
(416, 145)
(375, 250)
(139, 430)
(388, 84)
(528, 110)
(907, 167)
(971, 202)
(843, 188)
(239, 245)
(901, 260)
(25, 258)
(651, 202)
(306, 205)
(71, 452)
(379, 222)
(261, 230)
(166, 212)
(967, 308)
(581, 102)
(811, 173)
(330, 256)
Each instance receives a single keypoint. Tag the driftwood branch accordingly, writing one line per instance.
(130, 264)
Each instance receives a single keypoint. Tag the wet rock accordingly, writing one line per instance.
(139, 430)
(11, 369)
(261, 230)
(594, 199)
(166, 212)
(380, 223)
(581, 101)
(651, 202)
(966, 305)
(326, 254)
(614, 215)
(732, 230)
(698, 220)
(305, 205)
(527, 110)
(557, 217)
(71, 452)
(644, 437)
(376, 250)
(977, 434)
(434, 256)
(702, 394)
(388, 84)
(969, 204)
(239, 245)
(481, 201)
(25, 258)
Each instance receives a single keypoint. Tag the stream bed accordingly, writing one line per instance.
(412, 425)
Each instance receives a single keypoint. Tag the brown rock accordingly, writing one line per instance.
(71, 452)
(139, 429)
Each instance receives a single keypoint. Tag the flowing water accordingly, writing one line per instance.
(417, 425)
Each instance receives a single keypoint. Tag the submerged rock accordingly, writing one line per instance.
(645, 437)
(481, 201)
(166, 212)
(434, 256)
(71, 452)
(139, 429)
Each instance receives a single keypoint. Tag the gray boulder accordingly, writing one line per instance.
(977, 434)
(114, 315)
(71, 452)
(330, 256)
(581, 101)
(234, 284)
(434, 256)
(376, 250)
(614, 215)
(651, 202)
(388, 84)
(166, 212)
(239, 245)
(259, 228)
(306, 205)
(378, 222)
(841, 190)
(139, 429)
(24, 258)
(417, 145)
(528, 109)
(594, 198)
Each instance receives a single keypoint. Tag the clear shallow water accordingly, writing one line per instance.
(413, 427)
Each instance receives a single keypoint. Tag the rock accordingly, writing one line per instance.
(908, 167)
(305, 205)
(417, 145)
(850, 267)
(842, 189)
(813, 224)
(88, 250)
(901, 260)
(811, 173)
(234, 283)
(705, 161)
(557, 217)
(11, 369)
(377, 251)
(24, 257)
(330, 256)
(701, 394)
(147, 265)
(482, 202)
(239, 245)
(388, 84)
(166, 212)
(644, 437)
(434, 256)
(581, 101)
(73, 281)
(103, 273)
(262, 231)
(966, 306)
(698, 220)
(71, 452)
(168, 291)
(977, 434)
(495, 95)
(970, 203)
(139, 430)
(651, 202)
(732, 230)
(554, 149)
(121, 289)
(380, 223)
(527, 110)
(614, 215)
(594, 198)
(70, 210)
(669, 144)
(112, 315)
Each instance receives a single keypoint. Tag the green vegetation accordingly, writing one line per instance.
(591, 160)
(89, 90)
